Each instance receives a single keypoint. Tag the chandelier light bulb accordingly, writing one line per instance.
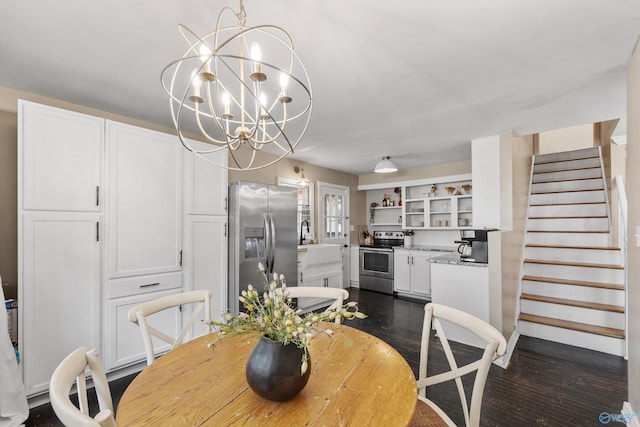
(226, 102)
(284, 81)
(256, 52)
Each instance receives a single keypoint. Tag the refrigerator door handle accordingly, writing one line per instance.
(268, 244)
(272, 229)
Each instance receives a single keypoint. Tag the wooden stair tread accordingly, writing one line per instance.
(574, 303)
(567, 191)
(574, 264)
(599, 248)
(576, 326)
(569, 217)
(601, 285)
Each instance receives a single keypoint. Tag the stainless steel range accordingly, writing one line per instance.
(376, 261)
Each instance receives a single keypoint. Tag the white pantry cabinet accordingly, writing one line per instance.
(110, 215)
(61, 158)
(412, 272)
(60, 228)
(205, 233)
(60, 291)
(145, 201)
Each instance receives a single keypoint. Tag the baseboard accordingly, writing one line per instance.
(503, 361)
(629, 416)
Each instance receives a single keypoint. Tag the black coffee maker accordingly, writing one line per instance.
(473, 246)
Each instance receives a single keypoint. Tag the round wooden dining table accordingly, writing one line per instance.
(356, 379)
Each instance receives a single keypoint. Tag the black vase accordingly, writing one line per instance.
(273, 370)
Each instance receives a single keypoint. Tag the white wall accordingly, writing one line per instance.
(567, 139)
(633, 198)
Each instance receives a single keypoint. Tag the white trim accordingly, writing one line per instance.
(619, 140)
(503, 361)
(634, 420)
(426, 181)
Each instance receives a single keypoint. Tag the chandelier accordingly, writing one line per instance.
(240, 100)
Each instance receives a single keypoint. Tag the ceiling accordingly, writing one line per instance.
(412, 79)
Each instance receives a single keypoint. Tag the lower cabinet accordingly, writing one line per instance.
(328, 277)
(59, 293)
(412, 272)
(124, 344)
(465, 287)
(319, 265)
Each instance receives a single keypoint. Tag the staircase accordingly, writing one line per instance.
(573, 281)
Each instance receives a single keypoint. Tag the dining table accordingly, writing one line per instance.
(356, 379)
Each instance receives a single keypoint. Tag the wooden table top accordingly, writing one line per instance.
(356, 379)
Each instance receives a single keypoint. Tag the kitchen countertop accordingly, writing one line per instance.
(454, 258)
(428, 248)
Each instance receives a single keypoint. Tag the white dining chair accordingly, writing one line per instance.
(70, 370)
(201, 300)
(495, 347)
(336, 294)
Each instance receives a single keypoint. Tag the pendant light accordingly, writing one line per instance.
(385, 166)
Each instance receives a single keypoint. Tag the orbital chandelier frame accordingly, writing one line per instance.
(222, 87)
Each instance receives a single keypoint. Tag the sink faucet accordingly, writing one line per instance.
(304, 221)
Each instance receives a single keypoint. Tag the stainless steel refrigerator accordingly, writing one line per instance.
(262, 228)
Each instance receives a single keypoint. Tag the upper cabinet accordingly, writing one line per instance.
(439, 203)
(61, 157)
(444, 204)
(145, 201)
(491, 163)
(205, 184)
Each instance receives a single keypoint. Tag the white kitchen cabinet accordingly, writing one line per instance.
(355, 265)
(205, 184)
(412, 270)
(59, 290)
(105, 210)
(205, 262)
(319, 265)
(126, 346)
(449, 206)
(145, 201)
(205, 232)
(61, 159)
(60, 228)
(465, 287)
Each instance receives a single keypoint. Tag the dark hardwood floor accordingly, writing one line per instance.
(546, 384)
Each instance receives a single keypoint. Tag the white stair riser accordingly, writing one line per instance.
(567, 165)
(593, 256)
(597, 209)
(574, 314)
(569, 224)
(567, 198)
(569, 272)
(600, 343)
(554, 187)
(578, 293)
(567, 155)
(565, 175)
(572, 239)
